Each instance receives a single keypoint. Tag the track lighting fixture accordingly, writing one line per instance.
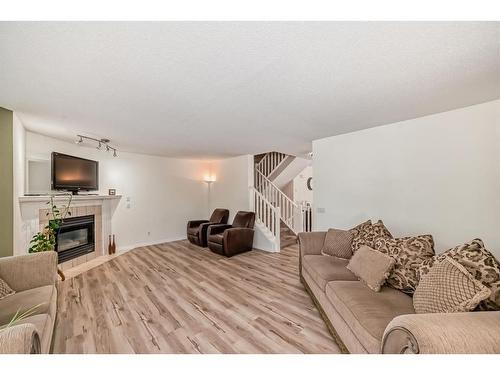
(100, 143)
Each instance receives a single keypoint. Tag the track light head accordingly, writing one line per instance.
(100, 143)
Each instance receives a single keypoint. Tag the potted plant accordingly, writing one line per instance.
(46, 239)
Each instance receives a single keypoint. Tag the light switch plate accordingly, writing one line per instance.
(320, 210)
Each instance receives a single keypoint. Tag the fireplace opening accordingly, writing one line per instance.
(75, 237)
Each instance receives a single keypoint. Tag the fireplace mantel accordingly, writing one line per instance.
(76, 198)
(33, 216)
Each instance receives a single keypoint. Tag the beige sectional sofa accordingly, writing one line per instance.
(364, 321)
(33, 277)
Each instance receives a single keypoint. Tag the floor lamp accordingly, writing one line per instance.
(209, 179)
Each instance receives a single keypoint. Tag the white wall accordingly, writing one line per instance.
(231, 190)
(19, 150)
(437, 174)
(164, 193)
(300, 191)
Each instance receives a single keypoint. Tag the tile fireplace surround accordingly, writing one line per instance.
(34, 218)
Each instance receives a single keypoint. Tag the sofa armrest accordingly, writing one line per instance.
(218, 228)
(470, 332)
(311, 243)
(29, 271)
(20, 339)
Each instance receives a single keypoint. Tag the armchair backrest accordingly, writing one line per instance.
(219, 216)
(244, 219)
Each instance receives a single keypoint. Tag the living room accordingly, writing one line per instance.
(207, 187)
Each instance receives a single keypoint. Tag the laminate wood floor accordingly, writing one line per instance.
(179, 298)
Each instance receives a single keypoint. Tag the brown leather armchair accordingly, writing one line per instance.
(232, 239)
(197, 229)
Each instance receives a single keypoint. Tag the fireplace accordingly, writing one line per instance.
(76, 237)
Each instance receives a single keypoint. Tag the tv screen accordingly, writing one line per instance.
(72, 173)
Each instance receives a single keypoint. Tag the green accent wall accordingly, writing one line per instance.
(6, 183)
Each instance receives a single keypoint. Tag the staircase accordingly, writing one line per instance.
(277, 215)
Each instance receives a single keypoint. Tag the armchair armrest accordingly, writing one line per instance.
(311, 243)
(237, 240)
(204, 231)
(195, 223)
(469, 332)
(29, 271)
(20, 339)
(218, 228)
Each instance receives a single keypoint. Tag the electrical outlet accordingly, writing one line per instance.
(320, 210)
(128, 205)
(149, 233)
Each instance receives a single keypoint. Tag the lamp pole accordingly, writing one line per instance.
(209, 183)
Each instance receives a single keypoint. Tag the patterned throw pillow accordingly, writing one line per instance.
(5, 289)
(480, 263)
(448, 288)
(365, 233)
(338, 243)
(409, 253)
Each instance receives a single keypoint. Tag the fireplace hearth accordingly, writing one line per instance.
(76, 237)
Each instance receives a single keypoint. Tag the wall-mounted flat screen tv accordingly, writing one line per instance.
(74, 174)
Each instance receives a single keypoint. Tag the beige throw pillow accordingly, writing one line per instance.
(371, 266)
(479, 262)
(5, 289)
(448, 288)
(338, 243)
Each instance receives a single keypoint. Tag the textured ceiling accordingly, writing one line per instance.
(215, 89)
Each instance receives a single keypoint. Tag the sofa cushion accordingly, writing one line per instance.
(480, 263)
(25, 300)
(448, 288)
(5, 289)
(367, 313)
(364, 234)
(324, 268)
(338, 243)
(371, 266)
(409, 253)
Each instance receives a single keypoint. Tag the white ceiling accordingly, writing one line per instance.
(215, 89)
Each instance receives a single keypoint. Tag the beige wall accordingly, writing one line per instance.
(6, 182)
(231, 190)
(437, 174)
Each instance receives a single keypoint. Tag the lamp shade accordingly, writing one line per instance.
(209, 178)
